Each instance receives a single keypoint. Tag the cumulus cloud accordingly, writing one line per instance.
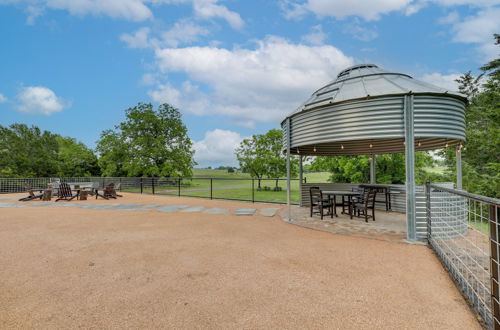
(132, 10)
(183, 32)
(316, 37)
(477, 29)
(138, 39)
(260, 84)
(217, 148)
(368, 9)
(444, 81)
(3, 99)
(39, 100)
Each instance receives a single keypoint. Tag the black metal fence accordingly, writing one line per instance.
(241, 189)
(464, 231)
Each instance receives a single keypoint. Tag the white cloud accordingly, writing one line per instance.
(368, 9)
(477, 29)
(139, 39)
(444, 81)
(39, 100)
(210, 9)
(360, 32)
(183, 32)
(248, 85)
(217, 148)
(3, 99)
(132, 10)
(316, 37)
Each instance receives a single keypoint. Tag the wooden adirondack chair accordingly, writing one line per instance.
(31, 196)
(65, 192)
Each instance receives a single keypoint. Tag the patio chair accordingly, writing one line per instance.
(367, 202)
(31, 195)
(117, 187)
(108, 192)
(65, 192)
(319, 203)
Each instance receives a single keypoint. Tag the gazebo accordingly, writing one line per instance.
(368, 111)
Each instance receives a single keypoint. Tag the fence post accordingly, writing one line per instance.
(428, 208)
(494, 265)
(153, 185)
(253, 190)
(120, 185)
(179, 187)
(305, 179)
(141, 185)
(211, 188)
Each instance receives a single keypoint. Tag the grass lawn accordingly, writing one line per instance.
(230, 186)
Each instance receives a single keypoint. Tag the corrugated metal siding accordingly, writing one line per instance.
(439, 116)
(356, 120)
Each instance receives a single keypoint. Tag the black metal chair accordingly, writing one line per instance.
(319, 203)
(367, 202)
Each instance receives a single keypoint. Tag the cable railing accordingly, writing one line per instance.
(463, 229)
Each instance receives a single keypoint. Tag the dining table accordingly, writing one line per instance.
(344, 193)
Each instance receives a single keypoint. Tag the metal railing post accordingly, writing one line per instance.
(179, 187)
(153, 185)
(428, 208)
(211, 188)
(120, 185)
(494, 265)
(141, 186)
(253, 190)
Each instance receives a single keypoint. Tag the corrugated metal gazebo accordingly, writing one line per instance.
(370, 111)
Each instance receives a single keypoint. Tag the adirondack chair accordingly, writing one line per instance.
(110, 191)
(31, 196)
(65, 192)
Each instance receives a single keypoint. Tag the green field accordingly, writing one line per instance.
(226, 185)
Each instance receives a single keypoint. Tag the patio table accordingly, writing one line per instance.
(384, 189)
(343, 193)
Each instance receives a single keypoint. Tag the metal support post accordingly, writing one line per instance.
(211, 188)
(300, 178)
(410, 167)
(459, 167)
(494, 264)
(153, 185)
(373, 165)
(428, 209)
(288, 172)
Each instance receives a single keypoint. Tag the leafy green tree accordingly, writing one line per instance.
(481, 157)
(390, 168)
(27, 152)
(75, 158)
(262, 155)
(148, 143)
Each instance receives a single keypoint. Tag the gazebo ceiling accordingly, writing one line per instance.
(363, 110)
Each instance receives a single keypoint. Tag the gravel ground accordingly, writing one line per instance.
(84, 268)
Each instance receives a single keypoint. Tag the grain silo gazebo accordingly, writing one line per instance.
(370, 111)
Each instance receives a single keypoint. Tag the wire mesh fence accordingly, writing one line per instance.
(460, 232)
(241, 189)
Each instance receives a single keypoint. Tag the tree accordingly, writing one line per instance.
(75, 158)
(481, 157)
(148, 143)
(27, 152)
(469, 85)
(390, 168)
(262, 155)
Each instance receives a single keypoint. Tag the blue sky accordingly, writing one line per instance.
(234, 68)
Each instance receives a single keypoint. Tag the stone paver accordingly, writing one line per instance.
(193, 209)
(172, 208)
(216, 210)
(269, 211)
(245, 211)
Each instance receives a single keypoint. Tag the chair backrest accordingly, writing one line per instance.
(29, 190)
(64, 190)
(369, 196)
(315, 194)
(110, 190)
